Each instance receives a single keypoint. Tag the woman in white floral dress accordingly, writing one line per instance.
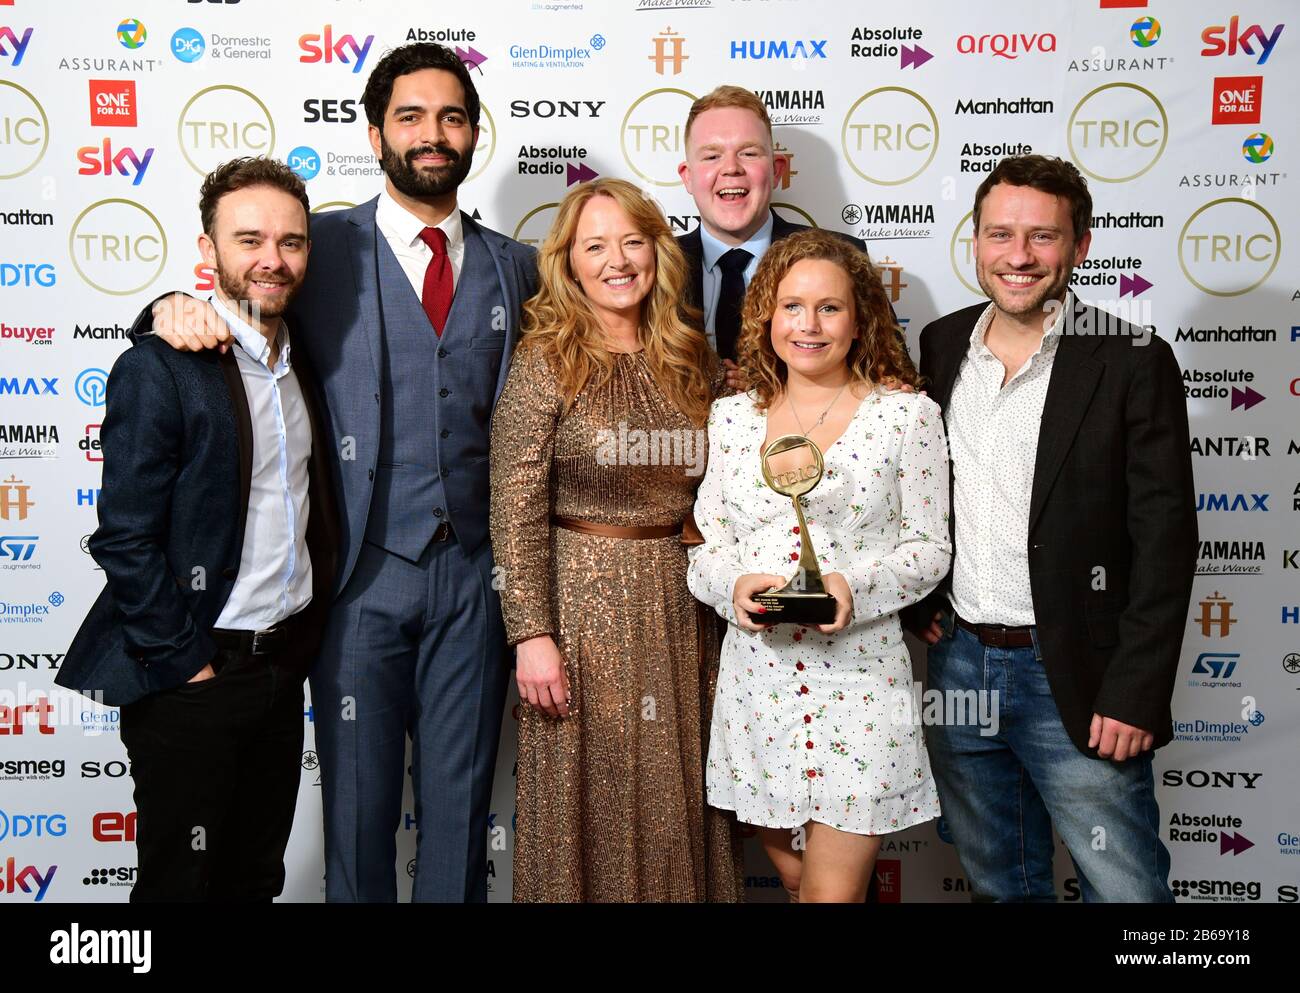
(816, 739)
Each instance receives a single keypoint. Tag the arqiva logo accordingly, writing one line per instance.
(1007, 46)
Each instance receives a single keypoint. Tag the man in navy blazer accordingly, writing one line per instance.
(217, 535)
(408, 317)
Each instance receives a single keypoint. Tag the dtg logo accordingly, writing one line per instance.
(326, 48)
(104, 162)
(1239, 39)
(11, 46)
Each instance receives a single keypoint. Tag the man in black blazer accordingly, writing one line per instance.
(218, 534)
(730, 170)
(1074, 534)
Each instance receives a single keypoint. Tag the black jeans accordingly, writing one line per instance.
(216, 766)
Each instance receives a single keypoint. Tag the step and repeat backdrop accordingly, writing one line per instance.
(1181, 115)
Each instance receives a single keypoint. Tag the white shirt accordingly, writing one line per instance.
(274, 578)
(993, 441)
(401, 229)
(711, 249)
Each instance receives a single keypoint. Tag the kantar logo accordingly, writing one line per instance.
(24, 131)
(1229, 247)
(1117, 132)
(117, 247)
(223, 122)
(653, 135)
(890, 135)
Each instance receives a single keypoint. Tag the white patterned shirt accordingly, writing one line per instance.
(993, 444)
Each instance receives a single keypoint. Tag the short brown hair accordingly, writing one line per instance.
(238, 174)
(729, 96)
(1047, 174)
(877, 352)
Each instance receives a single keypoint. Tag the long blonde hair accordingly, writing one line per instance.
(877, 351)
(559, 320)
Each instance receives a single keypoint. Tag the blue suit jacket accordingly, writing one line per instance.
(338, 325)
(178, 454)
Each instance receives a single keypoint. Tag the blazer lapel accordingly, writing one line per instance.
(363, 241)
(693, 249)
(243, 432)
(323, 512)
(1075, 374)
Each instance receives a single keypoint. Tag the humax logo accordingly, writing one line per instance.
(187, 45)
(325, 47)
(304, 162)
(1232, 501)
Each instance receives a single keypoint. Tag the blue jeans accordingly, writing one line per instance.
(1001, 793)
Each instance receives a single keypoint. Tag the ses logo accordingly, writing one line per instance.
(303, 161)
(112, 103)
(327, 47)
(104, 161)
(188, 45)
(1232, 38)
(330, 111)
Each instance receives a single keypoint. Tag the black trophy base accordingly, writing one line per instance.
(794, 608)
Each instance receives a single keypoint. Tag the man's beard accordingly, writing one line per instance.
(1047, 291)
(235, 288)
(428, 182)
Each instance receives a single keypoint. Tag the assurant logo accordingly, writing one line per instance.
(1257, 148)
(132, 34)
(1145, 32)
(890, 135)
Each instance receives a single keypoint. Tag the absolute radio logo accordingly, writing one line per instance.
(1117, 132)
(880, 43)
(112, 103)
(890, 135)
(651, 135)
(24, 131)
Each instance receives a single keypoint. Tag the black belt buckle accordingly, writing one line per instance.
(442, 532)
(260, 643)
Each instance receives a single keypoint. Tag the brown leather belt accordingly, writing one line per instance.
(999, 635)
(616, 530)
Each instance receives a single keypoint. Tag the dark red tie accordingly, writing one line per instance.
(436, 297)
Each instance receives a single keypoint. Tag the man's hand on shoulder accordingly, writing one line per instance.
(190, 325)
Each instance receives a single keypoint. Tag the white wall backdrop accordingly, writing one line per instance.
(1182, 115)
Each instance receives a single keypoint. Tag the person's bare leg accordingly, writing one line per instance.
(837, 865)
(788, 860)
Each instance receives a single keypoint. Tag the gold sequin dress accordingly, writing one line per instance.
(610, 802)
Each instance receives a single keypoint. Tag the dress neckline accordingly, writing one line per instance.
(871, 395)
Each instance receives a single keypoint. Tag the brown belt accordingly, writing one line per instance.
(999, 635)
(616, 530)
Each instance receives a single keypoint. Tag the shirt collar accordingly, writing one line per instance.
(392, 217)
(1050, 337)
(252, 341)
(757, 246)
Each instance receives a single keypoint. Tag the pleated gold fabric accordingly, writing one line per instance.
(610, 801)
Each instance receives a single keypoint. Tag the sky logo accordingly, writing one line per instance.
(325, 47)
(11, 46)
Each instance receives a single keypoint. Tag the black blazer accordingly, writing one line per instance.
(1112, 489)
(692, 247)
(178, 454)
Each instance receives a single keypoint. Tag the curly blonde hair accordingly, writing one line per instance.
(560, 322)
(878, 351)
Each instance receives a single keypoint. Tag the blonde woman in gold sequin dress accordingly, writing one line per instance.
(597, 449)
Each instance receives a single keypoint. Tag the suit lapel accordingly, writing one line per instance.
(243, 432)
(363, 241)
(323, 513)
(1075, 374)
(693, 249)
(781, 228)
